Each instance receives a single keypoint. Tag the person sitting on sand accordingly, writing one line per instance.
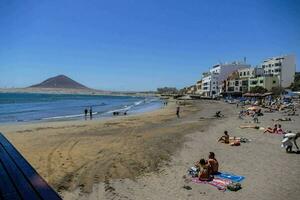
(224, 138)
(213, 162)
(271, 130)
(280, 130)
(205, 171)
(218, 114)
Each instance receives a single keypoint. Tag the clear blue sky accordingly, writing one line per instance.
(139, 44)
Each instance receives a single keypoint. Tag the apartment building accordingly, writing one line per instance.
(284, 67)
(267, 82)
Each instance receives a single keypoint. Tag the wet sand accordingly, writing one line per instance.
(146, 156)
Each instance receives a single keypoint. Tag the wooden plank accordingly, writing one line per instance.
(7, 188)
(22, 185)
(39, 185)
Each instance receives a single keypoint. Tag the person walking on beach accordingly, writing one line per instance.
(91, 113)
(178, 112)
(85, 113)
(255, 117)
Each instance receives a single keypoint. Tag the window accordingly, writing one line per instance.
(244, 73)
(272, 70)
(241, 73)
(248, 73)
(261, 81)
(274, 82)
(277, 64)
(230, 89)
(236, 83)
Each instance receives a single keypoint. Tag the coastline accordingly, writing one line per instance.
(33, 108)
(146, 156)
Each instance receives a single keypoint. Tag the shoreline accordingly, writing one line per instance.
(52, 113)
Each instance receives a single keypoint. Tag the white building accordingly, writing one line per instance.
(284, 67)
(250, 72)
(212, 81)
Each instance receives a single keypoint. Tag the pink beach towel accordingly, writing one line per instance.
(219, 183)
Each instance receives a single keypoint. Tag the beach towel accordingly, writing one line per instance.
(230, 176)
(219, 183)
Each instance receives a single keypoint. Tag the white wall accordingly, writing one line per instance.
(288, 70)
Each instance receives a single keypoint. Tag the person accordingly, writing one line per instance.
(205, 171)
(85, 113)
(287, 141)
(224, 138)
(255, 117)
(178, 111)
(282, 119)
(91, 113)
(241, 114)
(279, 130)
(271, 130)
(218, 114)
(213, 163)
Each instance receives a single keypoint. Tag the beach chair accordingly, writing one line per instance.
(18, 179)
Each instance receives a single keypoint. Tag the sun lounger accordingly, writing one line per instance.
(18, 179)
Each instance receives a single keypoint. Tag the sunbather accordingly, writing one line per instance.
(280, 130)
(224, 138)
(284, 119)
(271, 130)
(213, 162)
(205, 171)
(249, 126)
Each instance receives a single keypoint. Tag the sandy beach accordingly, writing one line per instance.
(146, 156)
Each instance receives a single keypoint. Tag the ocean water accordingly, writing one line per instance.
(24, 107)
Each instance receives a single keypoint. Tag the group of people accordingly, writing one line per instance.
(207, 168)
(275, 130)
(90, 111)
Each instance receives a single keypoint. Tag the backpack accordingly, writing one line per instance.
(234, 186)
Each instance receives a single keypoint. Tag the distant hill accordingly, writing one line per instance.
(60, 81)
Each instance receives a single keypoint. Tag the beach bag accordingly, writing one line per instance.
(193, 171)
(234, 187)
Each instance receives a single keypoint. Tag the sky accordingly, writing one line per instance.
(139, 45)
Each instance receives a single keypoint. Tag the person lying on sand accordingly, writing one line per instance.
(250, 126)
(213, 162)
(205, 173)
(284, 119)
(271, 130)
(224, 138)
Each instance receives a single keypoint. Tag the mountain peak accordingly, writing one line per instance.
(60, 81)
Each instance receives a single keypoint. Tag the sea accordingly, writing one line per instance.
(25, 107)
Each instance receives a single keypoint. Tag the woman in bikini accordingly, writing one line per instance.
(205, 173)
(271, 130)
